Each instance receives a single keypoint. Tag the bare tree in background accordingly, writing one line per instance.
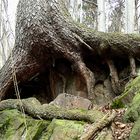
(101, 16)
(84, 11)
(5, 33)
(90, 13)
(75, 9)
(129, 16)
(116, 15)
(137, 16)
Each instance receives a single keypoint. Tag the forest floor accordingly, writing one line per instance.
(120, 129)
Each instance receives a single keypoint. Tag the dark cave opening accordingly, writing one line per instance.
(41, 86)
(38, 87)
(100, 68)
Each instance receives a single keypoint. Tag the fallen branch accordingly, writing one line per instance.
(95, 127)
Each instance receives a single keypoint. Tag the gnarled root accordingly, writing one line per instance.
(114, 76)
(16, 70)
(132, 66)
(87, 75)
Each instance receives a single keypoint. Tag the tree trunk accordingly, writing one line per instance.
(101, 16)
(45, 30)
(129, 16)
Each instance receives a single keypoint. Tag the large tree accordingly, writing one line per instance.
(46, 32)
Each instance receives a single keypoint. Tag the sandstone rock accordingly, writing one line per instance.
(70, 101)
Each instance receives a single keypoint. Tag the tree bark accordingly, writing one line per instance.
(114, 76)
(45, 30)
(33, 107)
(132, 66)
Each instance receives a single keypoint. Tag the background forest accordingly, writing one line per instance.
(102, 15)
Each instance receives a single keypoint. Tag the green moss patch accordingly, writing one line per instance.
(117, 104)
(133, 111)
(14, 125)
(63, 130)
(131, 89)
(135, 133)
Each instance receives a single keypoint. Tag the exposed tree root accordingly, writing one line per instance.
(114, 76)
(33, 107)
(132, 66)
(64, 81)
(98, 126)
(18, 64)
(88, 77)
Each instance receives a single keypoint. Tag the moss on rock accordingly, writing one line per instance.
(135, 133)
(14, 125)
(63, 130)
(131, 89)
(133, 110)
(117, 104)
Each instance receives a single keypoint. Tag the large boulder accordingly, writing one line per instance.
(70, 101)
(133, 90)
(131, 96)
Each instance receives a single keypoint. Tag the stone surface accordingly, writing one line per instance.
(103, 93)
(63, 130)
(133, 110)
(70, 101)
(15, 126)
(135, 133)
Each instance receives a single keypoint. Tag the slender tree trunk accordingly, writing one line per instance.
(101, 16)
(129, 16)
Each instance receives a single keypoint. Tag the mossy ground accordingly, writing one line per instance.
(14, 125)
